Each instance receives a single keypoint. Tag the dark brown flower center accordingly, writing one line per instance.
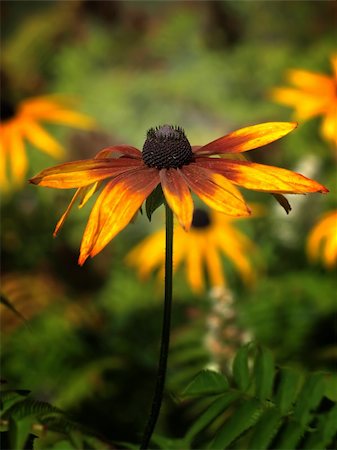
(7, 110)
(166, 147)
(201, 219)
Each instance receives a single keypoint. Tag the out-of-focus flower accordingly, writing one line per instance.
(313, 94)
(24, 297)
(169, 160)
(322, 240)
(212, 234)
(22, 124)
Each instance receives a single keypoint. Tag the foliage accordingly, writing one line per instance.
(261, 406)
(28, 423)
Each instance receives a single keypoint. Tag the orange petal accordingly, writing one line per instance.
(217, 192)
(265, 178)
(17, 155)
(114, 209)
(68, 117)
(329, 125)
(60, 223)
(178, 196)
(76, 174)
(306, 105)
(314, 83)
(117, 151)
(247, 138)
(41, 139)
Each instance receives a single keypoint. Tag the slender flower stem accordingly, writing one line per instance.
(165, 337)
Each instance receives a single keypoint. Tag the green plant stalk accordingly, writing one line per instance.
(165, 337)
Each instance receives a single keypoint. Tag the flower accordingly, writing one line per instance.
(211, 235)
(322, 240)
(169, 160)
(22, 123)
(313, 94)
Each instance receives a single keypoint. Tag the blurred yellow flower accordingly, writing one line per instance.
(322, 240)
(211, 235)
(22, 123)
(313, 94)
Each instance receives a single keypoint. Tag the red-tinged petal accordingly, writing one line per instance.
(264, 178)
(178, 196)
(217, 192)
(247, 138)
(115, 207)
(77, 174)
(61, 221)
(117, 151)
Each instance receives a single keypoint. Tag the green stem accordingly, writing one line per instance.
(165, 337)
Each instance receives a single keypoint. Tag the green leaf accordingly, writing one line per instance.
(265, 429)
(264, 373)
(245, 416)
(309, 397)
(212, 412)
(207, 382)
(19, 431)
(241, 369)
(29, 407)
(154, 200)
(326, 431)
(10, 397)
(287, 391)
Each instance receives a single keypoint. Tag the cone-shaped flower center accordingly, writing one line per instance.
(201, 219)
(7, 110)
(166, 147)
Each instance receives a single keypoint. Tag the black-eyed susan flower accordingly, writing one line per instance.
(212, 234)
(322, 240)
(23, 123)
(169, 160)
(313, 94)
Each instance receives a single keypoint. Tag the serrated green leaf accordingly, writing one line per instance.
(28, 407)
(246, 415)
(207, 382)
(241, 369)
(212, 412)
(287, 391)
(153, 201)
(309, 397)
(264, 372)
(9, 398)
(265, 429)
(326, 431)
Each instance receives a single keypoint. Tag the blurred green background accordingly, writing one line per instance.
(90, 343)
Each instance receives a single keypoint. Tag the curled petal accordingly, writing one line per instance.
(247, 138)
(177, 195)
(115, 207)
(82, 173)
(116, 151)
(217, 192)
(260, 177)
